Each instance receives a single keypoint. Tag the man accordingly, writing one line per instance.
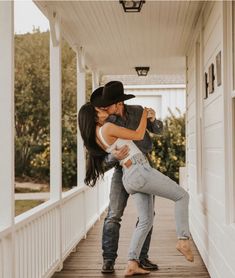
(111, 97)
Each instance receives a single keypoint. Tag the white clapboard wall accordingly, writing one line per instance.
(159, 97)
(207, 168)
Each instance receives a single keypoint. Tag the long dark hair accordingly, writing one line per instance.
(87, 124)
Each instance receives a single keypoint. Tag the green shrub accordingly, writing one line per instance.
(32, 108)
(169, 148)
(69, 151)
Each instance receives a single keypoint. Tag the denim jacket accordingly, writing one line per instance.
(131, 120)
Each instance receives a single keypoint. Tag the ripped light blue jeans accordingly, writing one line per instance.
(143, 181)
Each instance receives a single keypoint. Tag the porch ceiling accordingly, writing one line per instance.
(115, 42)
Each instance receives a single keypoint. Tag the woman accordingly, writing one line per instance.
(139, 178)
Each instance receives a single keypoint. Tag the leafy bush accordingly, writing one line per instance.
(169, 148)
(31, 104)
(32, 136)
(69, 153)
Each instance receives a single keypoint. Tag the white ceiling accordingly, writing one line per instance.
(115, 42)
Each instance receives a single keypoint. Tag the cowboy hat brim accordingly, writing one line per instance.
(102, 102)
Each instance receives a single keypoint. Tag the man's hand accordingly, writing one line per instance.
(121, 153)
(151, 115)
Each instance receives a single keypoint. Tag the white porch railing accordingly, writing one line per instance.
(37, 234)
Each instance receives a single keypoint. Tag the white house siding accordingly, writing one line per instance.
(207, 203)
(160, 98)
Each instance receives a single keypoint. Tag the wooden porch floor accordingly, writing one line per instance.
(87, 261)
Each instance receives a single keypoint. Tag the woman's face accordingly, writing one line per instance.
(102, 115)
(112, 109)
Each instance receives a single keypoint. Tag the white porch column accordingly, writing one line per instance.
(55, 112)
(56, 127)
(95, 80)
(7, 125)
(81, 99)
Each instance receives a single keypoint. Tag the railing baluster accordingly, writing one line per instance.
(37, 237)
(32, 232)
(1, 260)
(37, 254)
(47, 241)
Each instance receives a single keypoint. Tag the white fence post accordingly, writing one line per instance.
(55, 120)
(55, 125)
(81, 99)
(95, 85)
(7, 200)
(81, 158)
(95, 80)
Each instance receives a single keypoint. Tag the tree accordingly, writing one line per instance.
(31, 98)
(32, 140)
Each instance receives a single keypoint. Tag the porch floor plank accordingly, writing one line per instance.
(87, 261)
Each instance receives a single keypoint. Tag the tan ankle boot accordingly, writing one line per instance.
(183, 246)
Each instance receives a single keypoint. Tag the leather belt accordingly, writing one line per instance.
(137, 158)
(127, 164)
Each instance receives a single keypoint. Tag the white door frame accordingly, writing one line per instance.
(229, 114)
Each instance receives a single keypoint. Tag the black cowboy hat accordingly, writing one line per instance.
(96, 96)
(111, 93)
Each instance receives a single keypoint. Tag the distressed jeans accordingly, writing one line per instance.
(118, 200)
(140, 179)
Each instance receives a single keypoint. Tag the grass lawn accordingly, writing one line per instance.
(24, 205)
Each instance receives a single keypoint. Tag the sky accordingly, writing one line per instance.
(28, 15)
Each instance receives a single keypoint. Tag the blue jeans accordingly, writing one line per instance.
(143, 181)
(118, 200)
(145, 207)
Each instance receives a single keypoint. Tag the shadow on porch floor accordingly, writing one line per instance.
(87, 261)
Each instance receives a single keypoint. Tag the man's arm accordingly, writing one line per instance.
(154, 125)
(113, 158)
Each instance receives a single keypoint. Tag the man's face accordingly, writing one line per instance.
(112, 109)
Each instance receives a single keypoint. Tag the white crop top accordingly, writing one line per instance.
(133, 149)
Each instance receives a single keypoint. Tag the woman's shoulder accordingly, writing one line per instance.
(110, 128)
(108, 125)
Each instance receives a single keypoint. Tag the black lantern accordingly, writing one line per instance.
(131, 6)
(142, 71)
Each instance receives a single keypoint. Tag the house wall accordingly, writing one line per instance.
(206, 165)
(161, 98)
